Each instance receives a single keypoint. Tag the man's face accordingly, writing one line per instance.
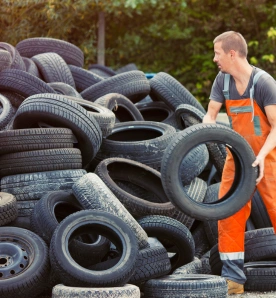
(221, 58)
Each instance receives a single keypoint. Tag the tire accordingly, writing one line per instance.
(194, 267)
(114, 170)
(128, 290)
(18, 140)
(26, 269)
(182, 285)
(124, 109)
(7, 111)
(5, 59)
(107, 225)
(92, 193)
(127, 67)
(245, 176)
(25, 208)
(33, 186)
(8, 208)
(53, 68)
(166, 88)
(102, 70)
(16, 59)
(141, 141)
(178, 238)
(64, 89)
(133, 84)
(33, 46)
(83, 78)
(188, 115)
(59, 111)
(254, 248)
(31, 67)
(260, 276)
(200, 239)
(104, 117)
(14, 98)
(40, 161)
(22, 82)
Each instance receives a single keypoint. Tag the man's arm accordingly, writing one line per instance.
(212, 113)
(270, 142)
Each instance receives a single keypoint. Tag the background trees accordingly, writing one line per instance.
(173, 36)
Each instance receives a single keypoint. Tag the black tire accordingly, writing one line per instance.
(132, 84)
(83, 78)
(178, 238)
(194, 267)
(7, 111)
(128, 290)
(259, 215)
(107, 225)
(245, 175)
(40, 161)
(92, 193)
(25, 260)
(152, 262)
(33, 186)
(260, 276)
(21, 222)
(31, 67)
(259, 245)
(22, 82)
(188, 115)
(127, 67)
(25, 208)
(114, 170)
(14, 98)
(102, 70)
(190, 285)
(166, 88)
(124, 109)
(142, 141)
(200, 239)
(18, 140)
(65, 89)
(104, 117)
(53, 68)
(5, 59)
(60, 111)
(33, 46)
(17, 61)
(8, 208)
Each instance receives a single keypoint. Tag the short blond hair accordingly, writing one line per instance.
(231, 40)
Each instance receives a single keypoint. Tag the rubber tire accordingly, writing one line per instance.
(7, 112)
(29, 282)
(8, 209)
(5, 59)
(106, 224)
(57, 110)
(245, 175)
(65, 89)
(31, 67)
(16, 59)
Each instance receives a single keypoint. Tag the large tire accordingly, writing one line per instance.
(174, 236)
(8, 208)
(40, 161)
(245, 175)
(7, 111)
(142, 141)
(24, 263)
(166, 88)
(22, 82)
(5, 59)
(33, 46)
(33, 186)
(190, 285)
(92, 193)
(16, 59)
(31, 67)
(53, 68)
(107, 225)
(65, 89)
(57, 110)
(128, 290)
(132, 84)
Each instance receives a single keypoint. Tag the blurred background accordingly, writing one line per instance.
(172, 36)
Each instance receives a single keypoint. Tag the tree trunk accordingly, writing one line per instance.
(101, 39)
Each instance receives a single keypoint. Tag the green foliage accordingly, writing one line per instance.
(173, 36)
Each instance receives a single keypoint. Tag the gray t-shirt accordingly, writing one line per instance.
(264, 90)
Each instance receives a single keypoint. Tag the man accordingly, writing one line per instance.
(249, 95)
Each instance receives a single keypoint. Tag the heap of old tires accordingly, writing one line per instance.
(109, 182)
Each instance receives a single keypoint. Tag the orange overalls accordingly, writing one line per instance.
(248, 120)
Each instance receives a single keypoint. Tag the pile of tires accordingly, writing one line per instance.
(109, 181)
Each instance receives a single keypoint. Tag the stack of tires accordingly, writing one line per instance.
(109, 181)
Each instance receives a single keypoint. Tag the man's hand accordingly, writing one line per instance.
(259, 161)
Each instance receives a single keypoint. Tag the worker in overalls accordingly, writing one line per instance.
(249, 95)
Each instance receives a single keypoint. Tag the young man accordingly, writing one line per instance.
(249, 95)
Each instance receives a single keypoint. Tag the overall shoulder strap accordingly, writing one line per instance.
(226, 84)
(255, 80)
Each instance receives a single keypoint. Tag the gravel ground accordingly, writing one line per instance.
(254, 295)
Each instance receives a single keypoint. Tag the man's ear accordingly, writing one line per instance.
(233, 53)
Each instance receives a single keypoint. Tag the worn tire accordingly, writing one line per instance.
(8, 208)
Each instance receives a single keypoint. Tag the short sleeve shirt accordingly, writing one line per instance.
(264, 89)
